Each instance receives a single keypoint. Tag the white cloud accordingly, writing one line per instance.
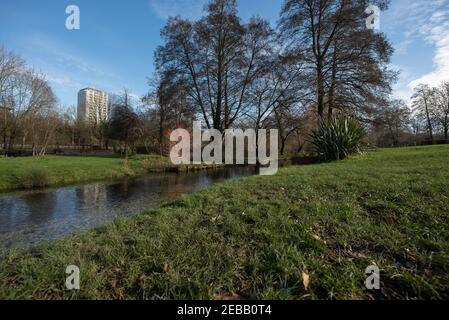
(186, 8)
(65, 58)
(403, 46)
(436, 32)
(402, 89)
(67, 71)
(411, 23)
(62, 80)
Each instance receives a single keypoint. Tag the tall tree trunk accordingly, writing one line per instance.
(430, 129)
(320, 90)
(24, 140)
(446, 132)
(219, 101)
(333, 84)
(283, 142)
(126, 153)
(5, 133)
(10, 145)
(257, 146)
(161, 133)
(300, 146)
(429, 121)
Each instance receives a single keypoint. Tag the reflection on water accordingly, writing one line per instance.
(27, 218)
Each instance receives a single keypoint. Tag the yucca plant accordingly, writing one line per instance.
(338, 138)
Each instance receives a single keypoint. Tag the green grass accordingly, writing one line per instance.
(255, 237)
(64, 170)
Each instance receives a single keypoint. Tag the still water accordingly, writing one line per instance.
(27, 218)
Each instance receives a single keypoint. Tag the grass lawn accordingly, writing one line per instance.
(64, 170)
(255, 237)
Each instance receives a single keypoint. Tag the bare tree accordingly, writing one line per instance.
(288, 121)
(393, 121)
(10, 65)
(70, 119)
(278, 82)
(124, 124)
(347, 62)
(424, 103)
(168, 107)
(442, 107)
(28, 93)
(43, 129)
(214, 59)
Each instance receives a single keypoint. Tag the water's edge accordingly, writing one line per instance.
(29, 218)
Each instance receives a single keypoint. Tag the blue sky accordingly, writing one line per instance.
(115, 45)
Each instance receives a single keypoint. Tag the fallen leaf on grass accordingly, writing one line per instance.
(305, 280)
(142, 279)
(317, 238)
(224, 296)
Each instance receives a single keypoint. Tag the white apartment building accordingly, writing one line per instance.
(113, 100)
(93, 105)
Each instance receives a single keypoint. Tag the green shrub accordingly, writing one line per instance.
(338, 138)
(152, 162)
(33, 178)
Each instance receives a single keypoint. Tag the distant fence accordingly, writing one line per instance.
(430, 142)
(27, 151)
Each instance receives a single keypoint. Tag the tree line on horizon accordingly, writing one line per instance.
(320, 62)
